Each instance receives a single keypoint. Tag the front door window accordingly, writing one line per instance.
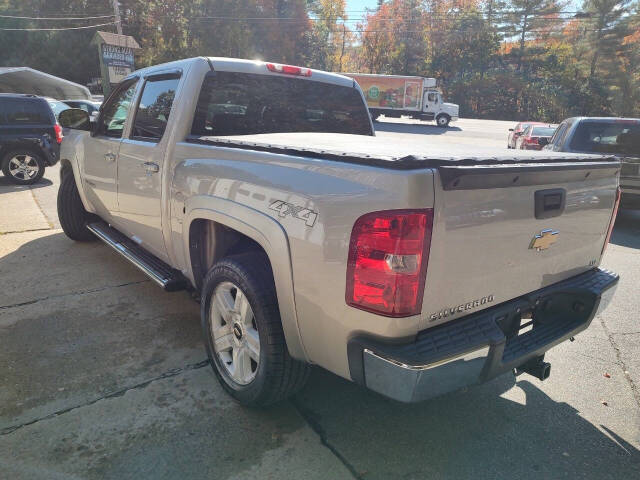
(432, 100)
(114, 113)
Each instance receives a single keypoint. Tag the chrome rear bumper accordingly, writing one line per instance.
(478, 347)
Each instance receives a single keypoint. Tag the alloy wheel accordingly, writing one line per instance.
(234, 331)
(23, 167)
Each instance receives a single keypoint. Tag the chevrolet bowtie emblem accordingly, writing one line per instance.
(544, 239)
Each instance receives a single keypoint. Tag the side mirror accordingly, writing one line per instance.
(511, 129)
(76, 119)
(543, 141)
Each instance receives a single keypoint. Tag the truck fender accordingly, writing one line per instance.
(69, 159)
(270, 235)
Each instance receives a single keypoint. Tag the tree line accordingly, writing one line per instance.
(500, 59)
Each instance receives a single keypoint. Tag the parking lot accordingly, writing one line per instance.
(103, 375)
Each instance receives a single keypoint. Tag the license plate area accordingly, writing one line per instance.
(531, 326)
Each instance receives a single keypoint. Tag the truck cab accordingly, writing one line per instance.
(434, 107)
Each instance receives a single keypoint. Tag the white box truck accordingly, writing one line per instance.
(396, 95)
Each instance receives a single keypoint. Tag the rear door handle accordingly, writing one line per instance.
(110, 157)
(151, 167)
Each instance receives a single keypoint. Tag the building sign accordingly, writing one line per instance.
(116, 57)
(118, 61)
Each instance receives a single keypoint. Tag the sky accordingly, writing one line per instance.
(359, 5)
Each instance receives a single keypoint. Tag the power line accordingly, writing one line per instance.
(55, 29)
(56, 18)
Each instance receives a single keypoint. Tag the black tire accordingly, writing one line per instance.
(71, 213)
(277, 375)
(443, 120)
(35, 160)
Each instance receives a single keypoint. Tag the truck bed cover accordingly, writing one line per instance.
(381, 152)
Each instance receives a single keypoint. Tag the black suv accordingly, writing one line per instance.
(29, 137)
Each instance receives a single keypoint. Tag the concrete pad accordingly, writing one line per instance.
(178, 427)
(69, 350)
(20, 212)
(37, 265)
(494, 431)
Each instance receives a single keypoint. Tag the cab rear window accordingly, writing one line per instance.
(233, 103)
(619, 137)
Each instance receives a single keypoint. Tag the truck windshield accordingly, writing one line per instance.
(618, 137)
(233, 103)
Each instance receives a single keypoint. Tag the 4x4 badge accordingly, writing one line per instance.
(544, 239)
(301, 213)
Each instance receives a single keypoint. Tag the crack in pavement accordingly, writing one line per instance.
(118, 393)
(308, 417)
(29, 230)
(80, 292)
(625, 371)
(35, 199)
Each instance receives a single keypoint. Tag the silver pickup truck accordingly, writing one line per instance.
(263, 189)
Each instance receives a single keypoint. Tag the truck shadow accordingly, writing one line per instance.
(470, 434)
(626, 231)
(415, 128)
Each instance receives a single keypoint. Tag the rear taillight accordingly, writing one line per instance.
(388, 255)
(58, 129)
(531, 140)
(289, 69)
(616, 204)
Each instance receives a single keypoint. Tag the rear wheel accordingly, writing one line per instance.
(23, 166)
(243, 332)
(71, 213)
(443, 120)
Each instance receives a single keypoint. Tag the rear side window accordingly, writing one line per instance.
(27, 111)
(559, 133)
(154, 108)
(244, 104)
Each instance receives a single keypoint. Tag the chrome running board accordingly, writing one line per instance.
(168, 278)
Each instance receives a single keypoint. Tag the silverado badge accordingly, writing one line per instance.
(544, 239)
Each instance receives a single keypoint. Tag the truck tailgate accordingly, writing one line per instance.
(492, 243)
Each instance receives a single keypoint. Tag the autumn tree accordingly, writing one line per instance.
(394, 38)
(329, 35)
(528, 17)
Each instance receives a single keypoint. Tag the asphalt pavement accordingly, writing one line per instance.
(103, 375)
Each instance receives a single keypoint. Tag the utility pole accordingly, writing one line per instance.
(116, 12)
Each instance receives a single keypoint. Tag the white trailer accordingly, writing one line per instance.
(396, 95)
